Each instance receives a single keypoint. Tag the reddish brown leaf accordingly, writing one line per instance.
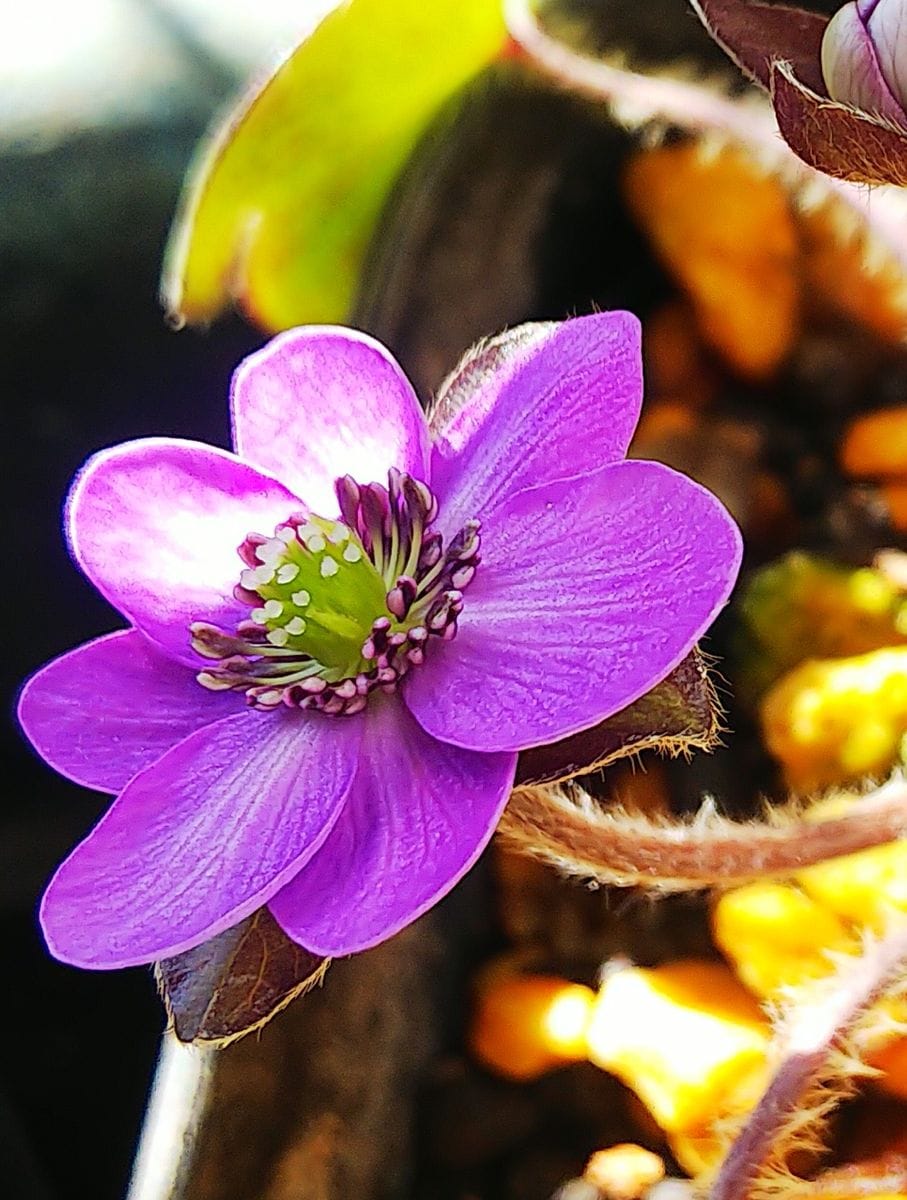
(681, 713)
(236, 981)
(834, 138)
(755, 35)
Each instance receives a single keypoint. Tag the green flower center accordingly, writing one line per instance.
(340, 608)
(319, 593)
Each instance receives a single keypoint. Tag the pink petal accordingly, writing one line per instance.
(155, 525)
(320, 402)
(590, 591)
(851, 66)
(540, 403)
(888, 29)
(109, 709)
(418, 816)
(202, 838)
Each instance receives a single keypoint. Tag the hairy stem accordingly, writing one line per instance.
(569, 830)
(637, 98)
(817, 1049)
(650, 97)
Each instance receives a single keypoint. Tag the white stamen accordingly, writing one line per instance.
(270, 550)
(213, 683)
(287, 573)
(249, 579)
(287, 535)
(352, 553)
(301, 598)
(273, 609)
(296, 626)
(259, 616)
(278, 637)
(315, 544)
(264, 574)
(307, 532)
(338, 534)
(328, 568)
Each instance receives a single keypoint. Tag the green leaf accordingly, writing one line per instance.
(679, 715)
(279, 211)
(235, 982)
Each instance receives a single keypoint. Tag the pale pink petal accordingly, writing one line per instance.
(417, 818)
(536, 404)
(321, 402)
(155, 525)
(109, 709)
(590, 591)
(202, 838)
(888, 29)
(852, 69)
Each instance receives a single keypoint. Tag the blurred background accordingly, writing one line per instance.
(101, 106)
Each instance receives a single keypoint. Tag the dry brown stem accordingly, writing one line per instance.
(568, 829)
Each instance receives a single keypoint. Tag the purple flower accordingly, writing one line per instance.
(864, 58)
(329, 723)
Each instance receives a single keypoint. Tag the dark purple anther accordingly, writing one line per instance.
(246, 550)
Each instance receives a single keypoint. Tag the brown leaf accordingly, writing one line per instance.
(235, 982)
(680, 714)
(755, 35)
(834, 138)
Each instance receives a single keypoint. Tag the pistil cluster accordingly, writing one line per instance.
(342, 608)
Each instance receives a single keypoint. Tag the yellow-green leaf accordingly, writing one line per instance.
(278, 213)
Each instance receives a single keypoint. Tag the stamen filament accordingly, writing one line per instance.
(339, 609)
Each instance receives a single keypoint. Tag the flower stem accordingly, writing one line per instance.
(649, 97)
(809, 1081)
(569, 830)
(176, 1111)
(638, 98)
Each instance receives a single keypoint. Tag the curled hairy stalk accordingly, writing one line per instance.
(641, 96)
(568, 829)
(820, 1055)
(638, 99)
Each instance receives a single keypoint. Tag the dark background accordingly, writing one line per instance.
(85, 361)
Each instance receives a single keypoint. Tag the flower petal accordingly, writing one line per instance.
(888, 28)
(590, 591)
(109, 709)
(155, 525)
(540, 403)
(320, 402)
(201, 839)
(851, 67)
(418, 816)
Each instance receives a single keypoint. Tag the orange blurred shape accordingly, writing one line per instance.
(525, 1025)
(674, 356)
(725, 230)
(686, 1037)
(894, 493)
(662, 420)
(875, 444)
(624, 1172)
(891, 1060)
(848, 276)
